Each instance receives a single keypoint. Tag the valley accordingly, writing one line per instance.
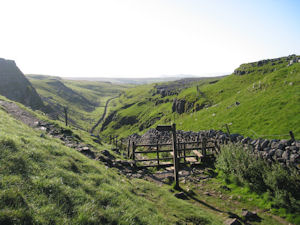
(51, 173)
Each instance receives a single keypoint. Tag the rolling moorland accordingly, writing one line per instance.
(45, 178)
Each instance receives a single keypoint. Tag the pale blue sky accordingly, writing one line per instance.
(145, 38)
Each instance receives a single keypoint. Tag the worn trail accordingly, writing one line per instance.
(103, 115)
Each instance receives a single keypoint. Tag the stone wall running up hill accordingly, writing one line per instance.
(15, 86)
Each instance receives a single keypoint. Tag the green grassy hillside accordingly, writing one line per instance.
(85, 99)
(44, 182)
(260, 99)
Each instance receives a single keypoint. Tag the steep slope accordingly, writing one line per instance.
(142, 107)
(44, 182)
(260, 99)
(15, 86)
(85, 100)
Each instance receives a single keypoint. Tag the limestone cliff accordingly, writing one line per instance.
(15, 86)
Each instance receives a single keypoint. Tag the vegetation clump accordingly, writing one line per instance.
(281, 184)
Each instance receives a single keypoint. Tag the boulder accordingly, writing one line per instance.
(107, 154)
(265, 144)
(286, 155)
(87, 152)
(250, 216)
(278, 153)
(233, 222)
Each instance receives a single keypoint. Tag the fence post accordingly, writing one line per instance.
(110, 139)
(204, 146)
(292, 136)
(66, 115)
(175, 159)
(157, 153)
(128, 148)
(228, 131)
(184, 154)
(217, 147)
(116, 141)
(133, 150)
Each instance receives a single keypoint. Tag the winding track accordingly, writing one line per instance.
(103, 115)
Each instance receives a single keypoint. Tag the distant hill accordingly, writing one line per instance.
(15, 86)
(260, 99)
(85, 100)
(136, 81)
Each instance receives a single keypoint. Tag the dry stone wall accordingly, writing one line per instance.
(285, 152)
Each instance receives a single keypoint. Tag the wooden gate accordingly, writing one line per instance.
(170, 154)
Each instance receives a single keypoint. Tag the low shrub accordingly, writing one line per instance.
(245, 168)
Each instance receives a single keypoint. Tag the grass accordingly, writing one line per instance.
(269, 186)
(85, 99)
(44, 182)
(269, 97)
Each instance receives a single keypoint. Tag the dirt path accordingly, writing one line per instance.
(19, 113)
(103, 115)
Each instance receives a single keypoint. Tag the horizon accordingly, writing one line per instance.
(141, 39)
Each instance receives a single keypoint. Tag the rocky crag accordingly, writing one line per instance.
(15, 86)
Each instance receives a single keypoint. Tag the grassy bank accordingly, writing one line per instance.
(44, 182)
(271, 187)
(263, 102)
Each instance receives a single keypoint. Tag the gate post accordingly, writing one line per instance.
(204, 146)
(66, 115)
(133, 150)
(175, 158)
(184, 153)
(128, 148)
(157, 153)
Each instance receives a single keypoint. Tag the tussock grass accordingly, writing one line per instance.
(271, 186)
(44, 182)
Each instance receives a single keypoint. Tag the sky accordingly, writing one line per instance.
(145, 38)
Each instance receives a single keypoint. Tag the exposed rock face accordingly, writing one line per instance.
(165, 92)
(255, 66)
(15, 86)
(181, 106)
(173, 88)
(178, 106)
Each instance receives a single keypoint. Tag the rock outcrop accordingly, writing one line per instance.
(15, 86)
(257, 66)
(178, 106)
(182, 106)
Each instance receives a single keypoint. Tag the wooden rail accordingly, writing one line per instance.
(182, 148)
